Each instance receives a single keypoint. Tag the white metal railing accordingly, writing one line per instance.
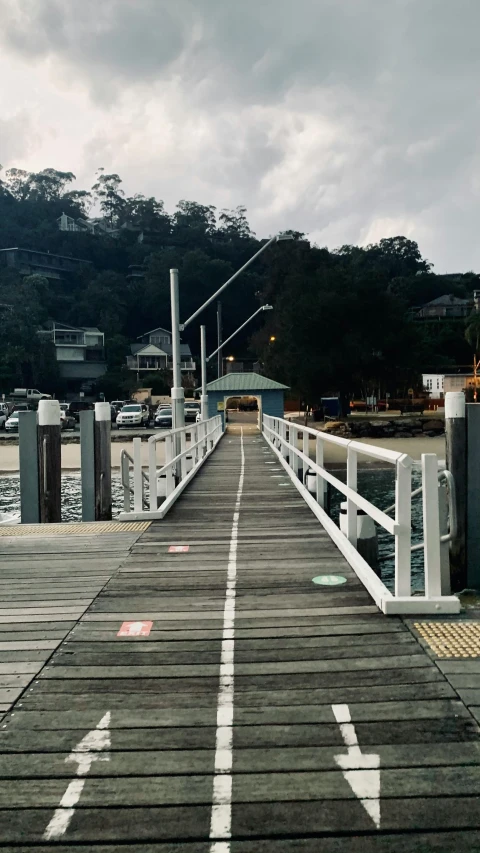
(126, 462)
(291, 444)
(186, 449)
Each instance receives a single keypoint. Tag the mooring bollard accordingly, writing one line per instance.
(367, 539)
(49, 461)
(103, 462)
(456, 462)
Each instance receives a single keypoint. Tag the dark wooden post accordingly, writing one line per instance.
(103, 462)
(87, 463)
(456, 461)
(473, 495)
(49, 461)
(28, 462)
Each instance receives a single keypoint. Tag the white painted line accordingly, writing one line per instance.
(360, 770)
(89, 749)
(221, 816)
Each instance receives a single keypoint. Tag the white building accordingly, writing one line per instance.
(434, 384)
(155, 353)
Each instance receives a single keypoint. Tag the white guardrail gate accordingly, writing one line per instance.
(185, 451)
(291, 444)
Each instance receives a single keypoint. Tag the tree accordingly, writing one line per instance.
(234, 223)
(106, 190)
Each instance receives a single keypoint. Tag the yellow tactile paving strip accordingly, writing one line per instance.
(451, 639)
(87, 528)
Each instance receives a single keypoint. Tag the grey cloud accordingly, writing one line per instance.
(336, 117)
(17, 137)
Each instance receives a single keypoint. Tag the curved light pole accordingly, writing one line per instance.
(177, 394)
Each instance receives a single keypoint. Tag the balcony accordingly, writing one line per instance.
(151, 364)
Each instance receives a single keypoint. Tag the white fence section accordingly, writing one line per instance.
(185, 452)
(291, 444)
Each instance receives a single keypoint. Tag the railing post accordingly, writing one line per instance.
(351, 507)
(152, 476)
(431, 525)
(183, 460)
(169, 475)
(283, 434)
(137, 475)
(294, 444)
(125, 466)
(403, 520)
(320, 483)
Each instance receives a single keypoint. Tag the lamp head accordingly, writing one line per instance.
(230, 358)
(281, 237)
(267, 307)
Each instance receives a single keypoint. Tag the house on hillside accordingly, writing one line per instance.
(154, 352)
(80, 353)
(98, 225)
(448, 307)
(30, 262)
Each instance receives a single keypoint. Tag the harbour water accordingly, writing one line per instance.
(377, 485)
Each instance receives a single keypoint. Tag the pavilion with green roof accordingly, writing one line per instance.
(270, 394)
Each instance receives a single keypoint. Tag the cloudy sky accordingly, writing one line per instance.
(350, 120)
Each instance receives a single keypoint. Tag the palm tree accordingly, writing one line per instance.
(472, 332)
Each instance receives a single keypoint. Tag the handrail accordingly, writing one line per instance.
(125, 461)
(182, 460)
(452, 513)
(290, 442)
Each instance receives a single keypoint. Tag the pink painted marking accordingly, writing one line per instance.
(135, 629)
(178, 549)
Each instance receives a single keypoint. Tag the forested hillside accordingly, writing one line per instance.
(341, 318)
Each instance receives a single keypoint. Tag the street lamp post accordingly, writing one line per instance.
(203, 359)
(277, 239)
(178, 396)
(262, 308)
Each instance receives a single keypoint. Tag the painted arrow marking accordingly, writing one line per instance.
(360, 770)
(89, 749)
(135, 629)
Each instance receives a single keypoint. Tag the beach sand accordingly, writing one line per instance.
(334, 455)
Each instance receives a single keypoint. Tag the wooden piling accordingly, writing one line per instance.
(49, 461)
(456, 461)
(103, 462)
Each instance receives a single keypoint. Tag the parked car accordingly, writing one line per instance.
(3, 418)
(163, 418)
(191, 410)
(67, 421)
(119, 404)
(11, 424)
(133, 415)
(30, 394)
(78, 406)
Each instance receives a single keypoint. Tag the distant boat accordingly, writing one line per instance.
(8, 518)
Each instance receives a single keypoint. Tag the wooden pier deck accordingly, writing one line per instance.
(261, 713)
